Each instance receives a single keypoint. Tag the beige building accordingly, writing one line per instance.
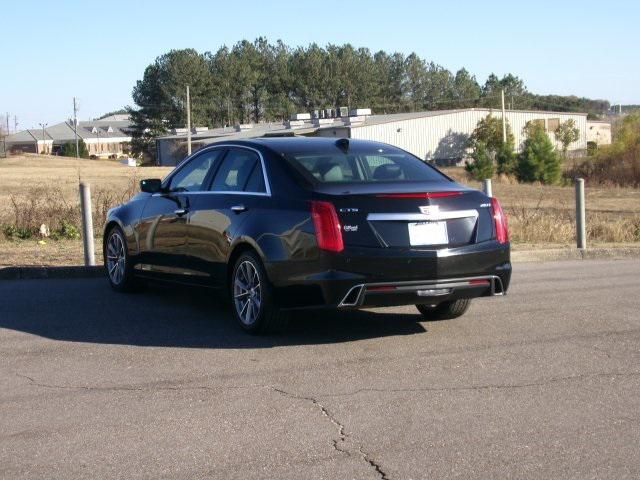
(598, 132)
(104, 138)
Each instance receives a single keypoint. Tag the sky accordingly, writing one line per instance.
(96, 51)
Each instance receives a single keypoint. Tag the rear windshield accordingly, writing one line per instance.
(377, 165)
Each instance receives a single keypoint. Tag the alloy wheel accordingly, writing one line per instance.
(116, 258)
(247, 292)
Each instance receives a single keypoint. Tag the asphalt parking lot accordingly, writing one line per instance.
(544, 383)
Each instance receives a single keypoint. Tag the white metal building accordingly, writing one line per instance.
(438, 136)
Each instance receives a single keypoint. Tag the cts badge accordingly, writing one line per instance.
(430, 209)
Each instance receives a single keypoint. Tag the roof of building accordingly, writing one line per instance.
(310, 126)
(64, 131)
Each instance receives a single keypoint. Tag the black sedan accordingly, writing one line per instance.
(293, 223)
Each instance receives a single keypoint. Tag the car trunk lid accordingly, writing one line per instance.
(441, 215)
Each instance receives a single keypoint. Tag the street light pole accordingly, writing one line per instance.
(75, 125)
(44, 143)
(188, 123)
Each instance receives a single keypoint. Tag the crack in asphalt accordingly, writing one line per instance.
(365, 456)
(340, 443)
(342, 436)
(125, 388)
(484, 387)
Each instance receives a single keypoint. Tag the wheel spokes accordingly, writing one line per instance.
(247, 293)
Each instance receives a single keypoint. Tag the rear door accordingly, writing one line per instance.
(237, 191)
(163, 224)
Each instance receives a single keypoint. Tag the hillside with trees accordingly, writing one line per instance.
(261, 81)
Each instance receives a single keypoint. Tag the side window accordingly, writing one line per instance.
(192, 175)
(240, 171)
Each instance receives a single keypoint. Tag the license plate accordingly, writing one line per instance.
(428, 233)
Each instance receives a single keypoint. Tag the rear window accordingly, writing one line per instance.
(376, 165)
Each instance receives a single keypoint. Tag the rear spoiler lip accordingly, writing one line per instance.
(373, 190)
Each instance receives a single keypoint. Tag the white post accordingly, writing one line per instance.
(188, 123)
(504, 121)
(486, 187)
(581, 229)
(87, 224)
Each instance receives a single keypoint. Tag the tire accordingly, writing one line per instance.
(252, 300)
(445, 310)
(117, 263)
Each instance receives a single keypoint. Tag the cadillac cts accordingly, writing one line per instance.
(292, 223)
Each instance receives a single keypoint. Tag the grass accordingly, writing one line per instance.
(37, 189)
(541, 214)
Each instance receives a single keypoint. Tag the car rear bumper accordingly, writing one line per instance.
(363, 277)
(426, 292)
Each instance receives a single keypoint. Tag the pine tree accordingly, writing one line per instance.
(482, 165)
(539, 160)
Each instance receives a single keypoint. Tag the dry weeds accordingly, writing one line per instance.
(37, 189)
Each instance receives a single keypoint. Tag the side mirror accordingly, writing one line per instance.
(151, 185)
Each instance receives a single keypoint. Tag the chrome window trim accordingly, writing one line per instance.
(265, 177)
(421, 217)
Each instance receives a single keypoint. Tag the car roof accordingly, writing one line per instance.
(288, 145)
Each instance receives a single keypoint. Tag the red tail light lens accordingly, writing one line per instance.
(500, 219)
(420, 195)
(328, 231)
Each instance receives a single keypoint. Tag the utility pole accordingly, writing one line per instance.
(15, 124)
(581, 229)
(188, 123)
(7, 118)
(44, 143)
(504, 121)
(75, 125)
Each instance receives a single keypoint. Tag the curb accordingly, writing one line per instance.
(31, 273)
(555, 254)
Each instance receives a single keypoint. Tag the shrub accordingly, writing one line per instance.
(618, 163)
(539, 160)
(506, 159)
(66, 230)
(482, 165)
(69, 149)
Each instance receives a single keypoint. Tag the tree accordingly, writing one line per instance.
(161, 97)
(538, 160)
(260, 81)
(482, 165)
(514, 91)
(69, 149)
(466, 91)
(488, 137)
(566, 134)
(489, 131)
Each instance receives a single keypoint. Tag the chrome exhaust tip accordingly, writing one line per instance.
(353, 297)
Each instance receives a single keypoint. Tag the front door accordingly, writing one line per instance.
(163, 225)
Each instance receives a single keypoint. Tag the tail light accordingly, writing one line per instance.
(328, 231)
(500, 220)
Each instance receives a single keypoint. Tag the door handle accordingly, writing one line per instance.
(239, 208)
(181, 211)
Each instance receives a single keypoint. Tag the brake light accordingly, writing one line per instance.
(328, 231)
(420, 195)
(500, 220)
